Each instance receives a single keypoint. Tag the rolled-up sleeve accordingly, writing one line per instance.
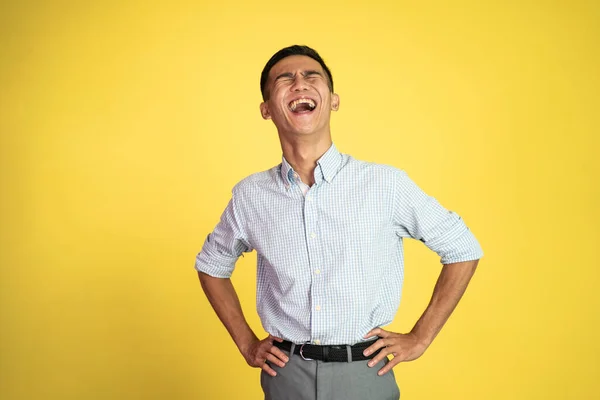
(224, 245)
(422, 217)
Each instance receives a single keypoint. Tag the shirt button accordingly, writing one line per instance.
(309, 198)
(317, 341)
(313, 235)
(317, 271)
(318, 308)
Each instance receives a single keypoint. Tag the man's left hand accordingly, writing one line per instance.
(404, 347)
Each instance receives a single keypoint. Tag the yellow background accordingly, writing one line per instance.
(124, 125)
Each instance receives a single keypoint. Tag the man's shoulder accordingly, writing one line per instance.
(258, 181)
(373, 169)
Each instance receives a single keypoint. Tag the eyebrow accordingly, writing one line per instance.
(304, 74)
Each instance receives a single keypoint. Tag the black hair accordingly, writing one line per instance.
(295, 50)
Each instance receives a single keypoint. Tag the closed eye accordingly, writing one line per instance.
(311, 74)
(287, 76)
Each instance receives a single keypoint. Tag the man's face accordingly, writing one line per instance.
(299, 99)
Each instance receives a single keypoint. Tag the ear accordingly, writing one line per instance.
(335, 102)
(264, 110)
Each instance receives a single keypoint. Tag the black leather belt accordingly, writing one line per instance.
(329, 353)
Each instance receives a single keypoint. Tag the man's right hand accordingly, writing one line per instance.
(261, 351)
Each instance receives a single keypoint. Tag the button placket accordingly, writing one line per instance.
(314, 246)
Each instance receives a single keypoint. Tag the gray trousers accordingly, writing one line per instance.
(318, 380)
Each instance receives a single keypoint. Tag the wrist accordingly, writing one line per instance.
(245, 345)
(423, 340)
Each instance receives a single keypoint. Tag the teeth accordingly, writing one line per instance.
(295, 103)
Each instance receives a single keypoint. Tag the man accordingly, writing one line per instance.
(328, 232)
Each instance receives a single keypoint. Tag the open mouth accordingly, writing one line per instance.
(302, 106)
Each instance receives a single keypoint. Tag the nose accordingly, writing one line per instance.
(299, 84)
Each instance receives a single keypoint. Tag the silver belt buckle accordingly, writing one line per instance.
(302, 354)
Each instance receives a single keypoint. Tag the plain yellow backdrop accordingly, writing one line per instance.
(125, 124)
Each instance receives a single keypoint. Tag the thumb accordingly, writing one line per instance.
(278, 339)
(374, 332)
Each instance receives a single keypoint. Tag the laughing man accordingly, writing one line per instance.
(328, 232)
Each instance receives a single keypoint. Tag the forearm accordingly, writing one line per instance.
(224, 300)
(449, 289)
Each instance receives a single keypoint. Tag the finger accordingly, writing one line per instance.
(375, 346)
(278, 339)
(383, 333)
(268, 369)
(383, 353)
(259, 360)
(275, 360)
(379, 357)
(373, 332)
(378, 332)
(275, 351)
(388, 367)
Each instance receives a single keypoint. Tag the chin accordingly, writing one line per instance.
(305, 130)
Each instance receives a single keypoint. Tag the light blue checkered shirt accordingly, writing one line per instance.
(330, 262)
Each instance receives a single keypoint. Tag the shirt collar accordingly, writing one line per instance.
(327, 167)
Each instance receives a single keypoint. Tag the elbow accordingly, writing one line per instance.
(207, 281)
(203, 278)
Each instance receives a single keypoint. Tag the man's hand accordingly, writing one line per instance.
(261, 351)
(449, 288)
(404, 347)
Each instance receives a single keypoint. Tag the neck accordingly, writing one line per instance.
(303, 152)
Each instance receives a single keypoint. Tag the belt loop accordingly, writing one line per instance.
(325, 353)
(349, 351)
(292, 349)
